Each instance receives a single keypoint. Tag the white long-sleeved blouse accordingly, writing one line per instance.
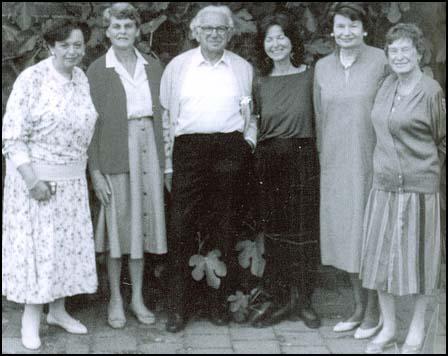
(49, 119)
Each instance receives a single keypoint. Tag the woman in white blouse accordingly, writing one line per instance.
(126, 159)
(47, 235)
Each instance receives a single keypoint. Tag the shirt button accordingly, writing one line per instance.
(144, 173)
(143, 129)
(145, 194)
(144, 151)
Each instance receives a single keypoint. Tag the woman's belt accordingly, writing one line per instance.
(55, 172)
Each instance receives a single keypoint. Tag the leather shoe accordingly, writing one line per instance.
(175, 323)
(259, 312)
(276, 316)
(309, 317)
(343, 326)
(379, 347)
(366, 333)
(73, 326)
(407, 349)
(147, 319)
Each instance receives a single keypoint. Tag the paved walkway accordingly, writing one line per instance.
(332, 300)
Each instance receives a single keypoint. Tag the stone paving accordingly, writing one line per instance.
(202, 337)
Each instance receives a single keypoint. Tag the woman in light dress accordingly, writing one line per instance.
(345, 86)
(126, 159)
(47, 237)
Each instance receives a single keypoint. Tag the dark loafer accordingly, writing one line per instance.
(259, 312)
(175, 323)
(276, 316)
(309, 317)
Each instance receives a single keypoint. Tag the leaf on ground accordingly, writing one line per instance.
(210, 266)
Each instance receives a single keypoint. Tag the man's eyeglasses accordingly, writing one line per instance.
(220, 30)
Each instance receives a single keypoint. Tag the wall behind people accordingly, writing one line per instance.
(165, 31)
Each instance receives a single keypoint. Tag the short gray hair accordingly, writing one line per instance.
(224, 10)
(121, 10)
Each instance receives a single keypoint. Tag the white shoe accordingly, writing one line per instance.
(30, 342)
(73, 326)
(346, 326)
(367, 333)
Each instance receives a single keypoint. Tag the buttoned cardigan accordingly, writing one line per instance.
(411, 137)
(108, 151)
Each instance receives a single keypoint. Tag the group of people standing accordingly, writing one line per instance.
(346, 158)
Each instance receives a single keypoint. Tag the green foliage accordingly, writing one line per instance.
(209, 266)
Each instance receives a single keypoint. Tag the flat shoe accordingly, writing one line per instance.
(146, 319)
(116, 323)
(407, 349)
(379, 347)
(73, 327)
(343, 326)
(367, 333)
(30, 342)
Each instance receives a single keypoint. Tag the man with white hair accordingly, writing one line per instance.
(209, 136)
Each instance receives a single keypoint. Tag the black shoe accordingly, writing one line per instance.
(175, 323)
(309, 317)
(276, 315)
(219, 317)
(259, 312)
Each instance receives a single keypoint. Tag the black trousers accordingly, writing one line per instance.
(208, 182)
(287, 172)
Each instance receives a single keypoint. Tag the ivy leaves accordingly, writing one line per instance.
(209, 266)
(252, 255)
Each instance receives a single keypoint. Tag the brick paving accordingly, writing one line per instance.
(332, 300)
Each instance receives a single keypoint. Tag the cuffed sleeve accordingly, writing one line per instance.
(17, 126)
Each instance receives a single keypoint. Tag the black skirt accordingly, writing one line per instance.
(287, 172)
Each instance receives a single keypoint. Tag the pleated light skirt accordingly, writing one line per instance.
(401, 252)
(134, 220)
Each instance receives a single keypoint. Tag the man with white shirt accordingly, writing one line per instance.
(208, 139)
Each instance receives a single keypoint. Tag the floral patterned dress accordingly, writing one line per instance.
(47, 247)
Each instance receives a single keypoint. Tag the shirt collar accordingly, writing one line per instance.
(198, 59)
(58, 76)
(113, 62)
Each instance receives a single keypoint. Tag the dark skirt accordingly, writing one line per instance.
(288, 210)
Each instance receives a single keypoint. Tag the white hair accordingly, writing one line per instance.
(223, 10)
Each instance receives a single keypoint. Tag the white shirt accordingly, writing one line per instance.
(138, 94)
(210, 98)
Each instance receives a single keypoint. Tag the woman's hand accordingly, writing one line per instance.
(41, 191)
(101, 188)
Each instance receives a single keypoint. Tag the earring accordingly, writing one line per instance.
(365, 34)
(332, 34)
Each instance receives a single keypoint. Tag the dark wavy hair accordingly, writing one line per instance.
(60, 30)
(291, 30)
(406, 30)
(355, 11)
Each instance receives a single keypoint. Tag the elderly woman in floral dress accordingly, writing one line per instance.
(47, 236)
